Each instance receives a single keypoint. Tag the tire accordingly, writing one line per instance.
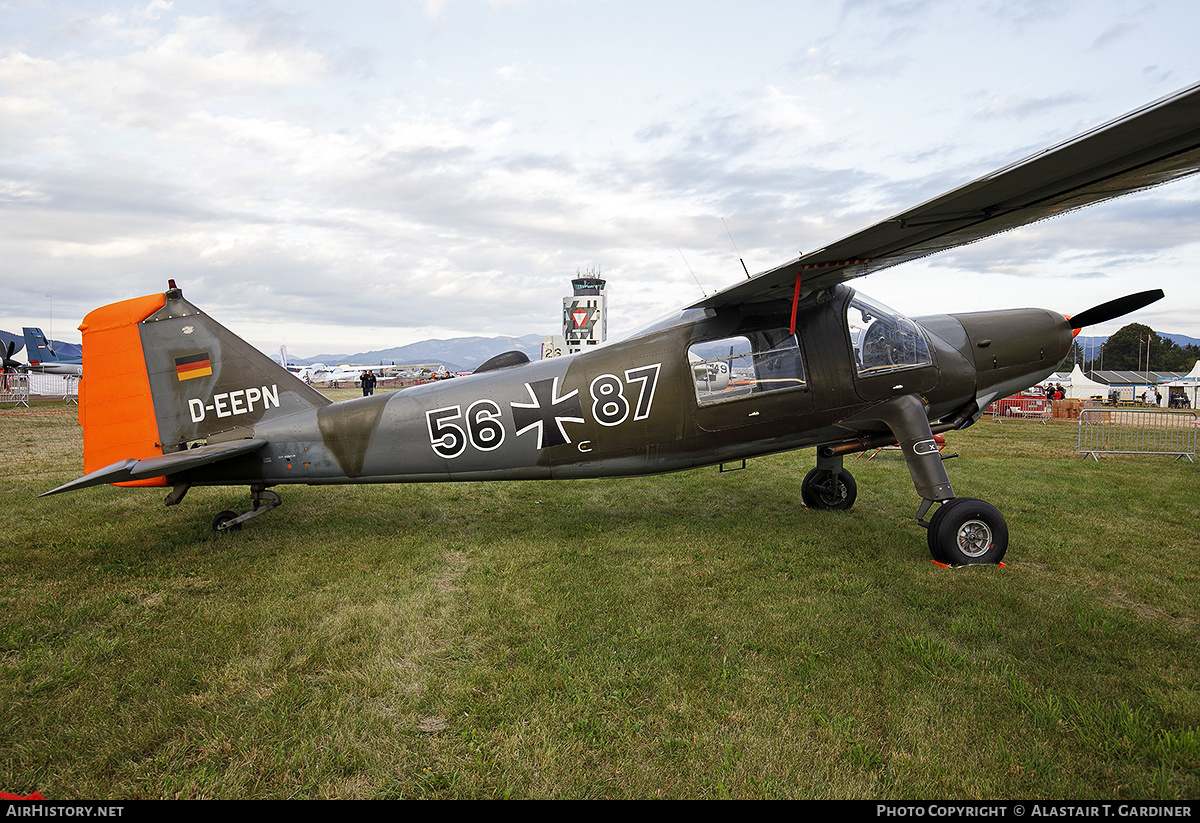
(223, 518)
(821, 490)
(965, 532)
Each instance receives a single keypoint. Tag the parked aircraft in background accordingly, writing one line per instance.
(343, 373)
(788, 359)
(320, 373)
(42, 357)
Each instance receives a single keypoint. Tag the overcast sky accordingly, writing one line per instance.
(340, 177)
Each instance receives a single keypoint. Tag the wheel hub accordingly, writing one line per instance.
(974, 538)
(833, 492)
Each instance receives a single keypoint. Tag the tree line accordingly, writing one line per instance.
(1127, 351)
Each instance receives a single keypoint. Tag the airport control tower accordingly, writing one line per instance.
(585, 321)
(585, 318)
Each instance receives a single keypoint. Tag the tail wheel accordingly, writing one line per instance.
(965, 531)
(218, 522)
(825, 489)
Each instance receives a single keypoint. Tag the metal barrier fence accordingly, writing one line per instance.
(1121, 431)
(22, 388)
(14, 388)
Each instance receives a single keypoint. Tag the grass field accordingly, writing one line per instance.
(691, 635)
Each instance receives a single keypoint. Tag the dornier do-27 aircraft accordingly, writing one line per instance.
(788, 359)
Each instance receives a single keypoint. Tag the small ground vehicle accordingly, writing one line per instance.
(1029, 403)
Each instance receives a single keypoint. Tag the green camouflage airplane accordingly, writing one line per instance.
(791, 358)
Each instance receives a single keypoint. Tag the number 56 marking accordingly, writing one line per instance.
(484, 428)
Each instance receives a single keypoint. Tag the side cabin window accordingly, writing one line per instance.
(745, 364)
(884, 341)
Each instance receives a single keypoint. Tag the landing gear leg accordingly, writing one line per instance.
(829, 486)
(175, 496)
(963, 530)
(262, 500)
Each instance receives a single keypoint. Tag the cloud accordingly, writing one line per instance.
(155, 10)
(325, 170)
(1018, 107)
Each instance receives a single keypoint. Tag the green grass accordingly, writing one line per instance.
(691, 635)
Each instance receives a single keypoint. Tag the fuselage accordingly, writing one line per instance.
(644, 405)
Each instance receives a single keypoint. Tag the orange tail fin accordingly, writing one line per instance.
(116, 408)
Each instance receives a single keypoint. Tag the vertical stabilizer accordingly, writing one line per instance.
(207, 381)
(37, 347)
(162, 375)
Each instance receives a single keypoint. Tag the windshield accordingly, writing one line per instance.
(884, 340)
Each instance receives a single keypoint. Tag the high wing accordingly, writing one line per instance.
(1155, 144)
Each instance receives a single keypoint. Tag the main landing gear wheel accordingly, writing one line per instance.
(964, 531)
(218, 522)
(823, 489)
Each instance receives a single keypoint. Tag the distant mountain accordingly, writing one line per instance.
(16, 339)
(457, 354)
(460, 353)
(1181, 339)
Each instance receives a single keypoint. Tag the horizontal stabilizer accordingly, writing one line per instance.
(163, 464)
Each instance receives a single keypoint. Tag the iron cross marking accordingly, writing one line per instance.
(547, 412)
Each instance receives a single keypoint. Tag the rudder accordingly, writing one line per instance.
(116, 409)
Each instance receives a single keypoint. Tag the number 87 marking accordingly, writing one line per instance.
(609, 406)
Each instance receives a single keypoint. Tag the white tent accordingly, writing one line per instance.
(1081, 388)
(1188, 386)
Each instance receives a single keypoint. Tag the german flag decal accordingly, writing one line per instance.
(194, 365)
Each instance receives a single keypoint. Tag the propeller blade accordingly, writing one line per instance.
(1115, 308)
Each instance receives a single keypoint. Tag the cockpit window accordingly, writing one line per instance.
(752, 363)
(883, 340)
